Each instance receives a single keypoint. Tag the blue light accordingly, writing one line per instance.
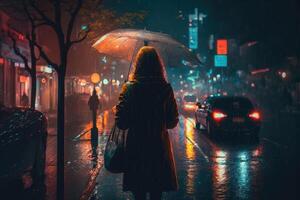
(220, 61)
(84, 27)
(193, 37)
(105, 81)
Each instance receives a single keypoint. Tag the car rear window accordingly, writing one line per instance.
(190, 98)
(232, 103)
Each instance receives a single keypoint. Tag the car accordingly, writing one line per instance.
(228, 116)
(23, 136)
(189, 102)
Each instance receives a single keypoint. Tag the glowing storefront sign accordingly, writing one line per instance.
(222, 47)
(193, 40)
(193, 30)
(220, 61)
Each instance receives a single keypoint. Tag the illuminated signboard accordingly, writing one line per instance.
(23, 79)
(220, 61)
(222, 47)
(193, 30)
(193, 40)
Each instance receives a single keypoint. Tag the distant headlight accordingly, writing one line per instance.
(190, 106)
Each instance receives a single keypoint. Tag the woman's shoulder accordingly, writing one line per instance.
(128, 86)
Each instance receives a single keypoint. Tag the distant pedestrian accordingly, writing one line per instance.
(147, 108)
(94, 106)
(24, 100)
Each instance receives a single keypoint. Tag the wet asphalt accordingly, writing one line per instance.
(206, 169)
(227, 169)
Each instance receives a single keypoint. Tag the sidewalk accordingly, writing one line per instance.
(82, 165)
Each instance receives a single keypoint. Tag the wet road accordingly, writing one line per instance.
(227, 170)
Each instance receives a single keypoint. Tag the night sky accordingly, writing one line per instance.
(276, 23)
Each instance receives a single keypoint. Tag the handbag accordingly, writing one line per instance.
(114, 154)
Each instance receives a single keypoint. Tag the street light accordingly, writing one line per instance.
(283, 75)
(95, 78)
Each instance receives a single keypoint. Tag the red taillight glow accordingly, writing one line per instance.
(218, 115)
(255, 115)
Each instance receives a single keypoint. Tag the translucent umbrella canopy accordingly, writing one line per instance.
(124, 44)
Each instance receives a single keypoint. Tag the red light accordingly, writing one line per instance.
(222, 47)
(21, 37)
(218, 115)
(254, 115)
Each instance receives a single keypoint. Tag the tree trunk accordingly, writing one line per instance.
(33, 90)
(60, 136)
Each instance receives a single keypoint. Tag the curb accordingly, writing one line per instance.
(86, 194)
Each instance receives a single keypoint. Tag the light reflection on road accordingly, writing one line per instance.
(191, 156)
(237, 167)
(103, 125)
(220, 174)
(189, 132)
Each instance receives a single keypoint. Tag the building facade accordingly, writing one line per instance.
(15, 81)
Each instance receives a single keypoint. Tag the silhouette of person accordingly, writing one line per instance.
(24, 100)
(94, 105)
(147, 108)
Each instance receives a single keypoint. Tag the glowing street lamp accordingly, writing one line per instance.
(95, 78)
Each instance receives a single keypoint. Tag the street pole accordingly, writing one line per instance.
(94, 130)
(94, 105)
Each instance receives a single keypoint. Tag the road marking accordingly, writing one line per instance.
(191, 121)
(275, 143)
(194, 143)
(76, 138)
(199, 148)
(86, 194)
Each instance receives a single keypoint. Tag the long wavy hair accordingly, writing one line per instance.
(148, 65)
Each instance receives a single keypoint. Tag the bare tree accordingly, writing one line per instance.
(30, 64)
(60, 16)
(55, 19)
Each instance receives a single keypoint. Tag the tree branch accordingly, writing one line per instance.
(18, 53)
(79, 40)
(73, 16)
(47, 20)
(45, 57)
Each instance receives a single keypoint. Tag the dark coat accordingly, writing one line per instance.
(148, 108)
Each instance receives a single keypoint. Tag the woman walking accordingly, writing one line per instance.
(147, 108)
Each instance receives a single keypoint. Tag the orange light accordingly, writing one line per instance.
(43, 80)
(254, 115)
(218, 115)
(23, 79)
(1, 61)
(190, 106)
(95, 78)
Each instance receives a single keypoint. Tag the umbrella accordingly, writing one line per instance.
(124, 44)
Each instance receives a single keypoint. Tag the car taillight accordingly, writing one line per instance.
(254, 115)
(218, 115)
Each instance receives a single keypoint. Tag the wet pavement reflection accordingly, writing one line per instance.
(237, 169)
(232, 169)
(82, 160)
